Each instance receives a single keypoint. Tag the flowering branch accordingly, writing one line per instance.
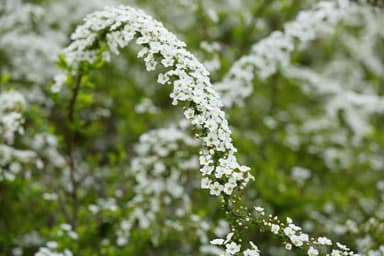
(274, 51)
(106, 31)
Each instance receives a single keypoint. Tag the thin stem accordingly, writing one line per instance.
(70, 147)
(63, 208)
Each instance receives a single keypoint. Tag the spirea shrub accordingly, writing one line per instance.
(274, 146)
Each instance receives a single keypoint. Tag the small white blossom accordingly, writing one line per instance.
(275, 228)
(324, 241)
(216, 188)
(342, 247)
(217, 241)
(205, 182)
(254, 251)
(60, 80)
(232, 248)
(312, 251)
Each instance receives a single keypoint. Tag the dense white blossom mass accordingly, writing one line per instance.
(104, 32)
(12, 105)
(275, 50)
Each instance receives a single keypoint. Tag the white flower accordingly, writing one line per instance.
(252, 252)
(336, 253)
(288, 231)
(324, 241)
(146, 106)
(60, 80)
(342, 247)
(312, 251)
(249, 252)
(275, 228)
(217, 241)
(244, 168)
(304, 237)
(189, 113)
(216, 188)
(66, 227)
(73, 235)
(207, 170)
(296, 240)
(219, 172)
(167, 62)
(229, 237)
(205, 182)
(162, 79)
(228, 188)
(94, 208)
(232, 248)
(121, 241)
(259, 209)
(300, 174)
(52, 244)
(205, 159)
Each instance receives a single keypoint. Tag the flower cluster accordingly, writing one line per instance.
(11, 103)
(275, 50)
(10, 18)
(233, 248)
(368, 38)
(30, 48)
(291, 234)
(162, 172)
(116, 27)
(146, 106)
(52, 247)
(51, 250)
(12, 160)
(160, 169)
(357, 107)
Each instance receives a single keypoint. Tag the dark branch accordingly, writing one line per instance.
(70, 146)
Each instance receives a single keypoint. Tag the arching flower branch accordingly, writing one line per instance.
(106, 31)
(275, 50)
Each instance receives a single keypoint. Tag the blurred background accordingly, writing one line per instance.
(307, 117)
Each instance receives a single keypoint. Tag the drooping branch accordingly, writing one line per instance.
(107, 31)
(275, 50)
